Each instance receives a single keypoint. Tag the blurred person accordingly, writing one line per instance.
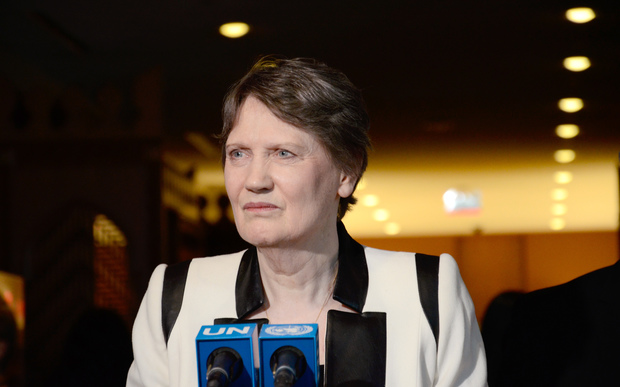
(566, 335)
(96, 353)
(494, 325)
(294, 147)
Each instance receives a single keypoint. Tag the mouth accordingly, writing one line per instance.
(259, 207)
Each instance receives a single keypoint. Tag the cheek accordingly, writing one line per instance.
(322, 188)
(232, 183)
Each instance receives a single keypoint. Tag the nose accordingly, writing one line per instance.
(259, 177)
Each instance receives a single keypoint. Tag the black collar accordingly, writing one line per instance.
(351, 282)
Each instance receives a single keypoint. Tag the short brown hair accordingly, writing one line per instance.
(313, 97)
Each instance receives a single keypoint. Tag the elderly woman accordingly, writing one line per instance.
(294, 147)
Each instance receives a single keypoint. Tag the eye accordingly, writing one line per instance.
(284, 153)
(235, 154)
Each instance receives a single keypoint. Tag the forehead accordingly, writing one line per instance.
(256, 121)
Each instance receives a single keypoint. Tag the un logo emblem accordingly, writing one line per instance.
(288, 330)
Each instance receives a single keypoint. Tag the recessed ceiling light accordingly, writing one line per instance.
(577, 63)
(361, 184)
(557, 224)
(567, 130)
(558, 209)
(370, 200)
(234, 30)
(564, 156)
(563, 177)
(570, 105)
(559, 194)
(381, 215)
(580, 15)
(392, 228)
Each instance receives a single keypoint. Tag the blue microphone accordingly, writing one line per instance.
(225, 355)
(289, 355)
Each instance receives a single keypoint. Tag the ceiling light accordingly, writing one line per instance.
(559, 194)
(234, 30)
(577, 63)
(392, 228)
(570, 105)
(361, 184)
(564, 156)
(558, 209)
(557, 224)
(381, 215)
(370, 200)
(580, 15)
(567, 130)
(563, 177)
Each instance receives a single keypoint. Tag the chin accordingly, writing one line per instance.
(255, 238)
(261, 234)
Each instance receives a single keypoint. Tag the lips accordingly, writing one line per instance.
(259, 206)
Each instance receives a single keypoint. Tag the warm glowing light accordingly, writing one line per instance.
(567, 130)
(457, 201)
(564, 156)
(370, 200)
(361, 184)
(577, 63)
(580, 15)
(392, 228)
(381, 215)
(558, 209)
(557, 224)
(559, 194)
(563, 177)
(234, 30)
(570, 105)
(106, 233)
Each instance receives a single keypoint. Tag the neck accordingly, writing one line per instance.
(298, 278)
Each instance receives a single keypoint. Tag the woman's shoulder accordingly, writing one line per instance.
(224, 259)
(406, 261)
(391, 254)
(215, 268)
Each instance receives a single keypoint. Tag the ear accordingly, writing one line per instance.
(347, 185)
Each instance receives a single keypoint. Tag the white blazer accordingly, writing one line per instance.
(369, 280)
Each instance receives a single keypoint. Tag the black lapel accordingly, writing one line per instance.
(249, 294)
(352, 281)
(355, 348)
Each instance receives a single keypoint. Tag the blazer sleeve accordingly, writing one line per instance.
(461, 359)
(150, 364)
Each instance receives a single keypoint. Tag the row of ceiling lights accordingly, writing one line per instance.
(563, 156)
(378, 214)
(567, 131)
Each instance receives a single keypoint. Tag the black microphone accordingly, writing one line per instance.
(288, 364)
(224, 366)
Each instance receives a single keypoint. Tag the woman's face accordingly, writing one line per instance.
(283, 187)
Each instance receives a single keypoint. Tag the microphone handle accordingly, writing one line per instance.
(284, 377)
(288, 364)
(223, 367)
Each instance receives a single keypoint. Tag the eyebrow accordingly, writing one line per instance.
(273, 145)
